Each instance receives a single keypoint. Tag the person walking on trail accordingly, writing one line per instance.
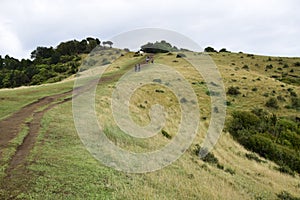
(136, 68)
(139, 67)
(147, 59)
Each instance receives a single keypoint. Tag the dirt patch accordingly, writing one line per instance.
(11, 126)
(28, 143)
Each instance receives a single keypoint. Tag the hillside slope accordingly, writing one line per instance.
(59, 167)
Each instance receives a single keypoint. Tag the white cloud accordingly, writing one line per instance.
(264, 27)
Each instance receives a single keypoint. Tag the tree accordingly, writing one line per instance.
(68, 48)
(209, 49)
(110, 43)
(223, 50)
(158, 47)
(42, 52)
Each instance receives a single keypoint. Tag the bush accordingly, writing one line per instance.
(269, 67)
(272, 103)
(230, 171)
(295, 103)
(233, 91)
(285, 169)
(270, 137)
(180, 55)
(286, 196)
(209, 49)
(254, 89)
(252, 156)
(166, 134)
(223, 50)
(297, 64)
(246, 67)
(210, 158)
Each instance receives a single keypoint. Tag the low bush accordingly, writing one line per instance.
(272, 103)
(277, 139)
(233, 91)
(286, 196)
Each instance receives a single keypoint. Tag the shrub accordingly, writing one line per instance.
(297, 64)
(254, 89)
(272, 103)
(246, 67)
(230, 171)
(223, 50)
(280, 98)
(269, 67)
(180, 55)
(270, 137)
(210, 158)
(286, 196)
(209, 49)
(166, 134)
(233, 91)
(252, 156)
(286, 170)
(295, 103)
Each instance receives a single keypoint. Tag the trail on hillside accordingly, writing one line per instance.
(12, 125)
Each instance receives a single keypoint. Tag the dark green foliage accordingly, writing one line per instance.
(280, 98)
(223, 50)
(209, 49)
(210, 158)
(246, 67)
(295, 104)
(157, 80)
(48, 65)
(183, 100)
(269, 67)
(230, 171)
(272, 103)
(277, 139)
(286, 196)
(166, 134)
(297, 64)
(110, 43)
(158, 47)
(159, 91)
(286, 170)
(212, 93)
(254, 89)
(252, 156)
(180, 55)
(233, 91)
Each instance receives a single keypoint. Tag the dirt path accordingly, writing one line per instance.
(11, 126)
(28, 143)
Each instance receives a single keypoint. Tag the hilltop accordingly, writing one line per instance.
(262, 121)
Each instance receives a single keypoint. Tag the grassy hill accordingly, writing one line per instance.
(58, 166)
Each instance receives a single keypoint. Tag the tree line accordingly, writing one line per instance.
(47, 64)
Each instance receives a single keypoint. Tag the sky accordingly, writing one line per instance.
(265, 27)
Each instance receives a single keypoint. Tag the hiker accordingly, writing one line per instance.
(147, 59)
(136, 68)
(139, 67)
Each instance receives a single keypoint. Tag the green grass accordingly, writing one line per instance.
(12, 100)
(11, 149)
(60, 167)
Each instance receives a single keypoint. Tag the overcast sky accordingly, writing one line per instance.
(269, 27)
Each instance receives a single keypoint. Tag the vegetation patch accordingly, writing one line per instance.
(277, 139)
